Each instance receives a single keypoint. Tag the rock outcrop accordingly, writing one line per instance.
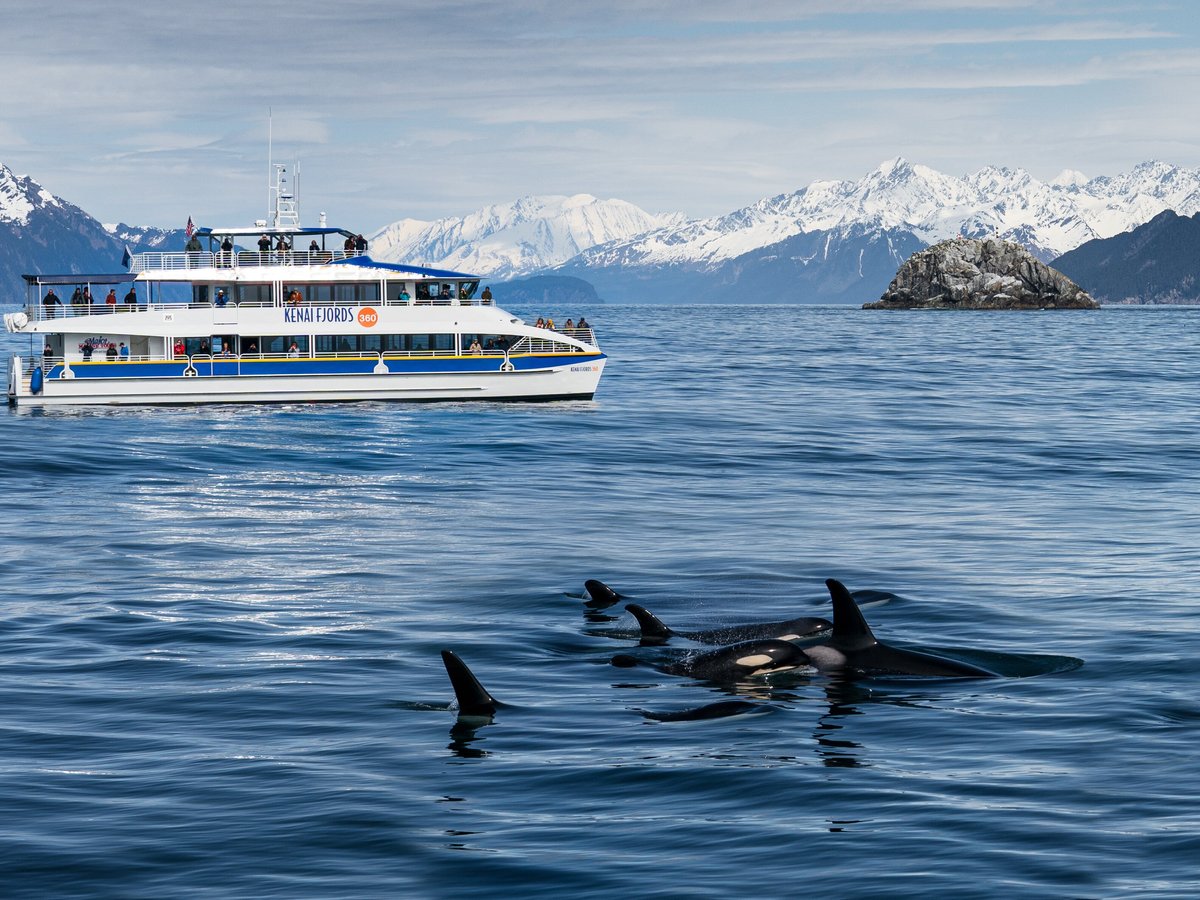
(968, 273)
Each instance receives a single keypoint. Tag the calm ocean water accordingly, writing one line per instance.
(220, 627)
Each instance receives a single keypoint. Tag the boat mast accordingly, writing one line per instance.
(283, 205)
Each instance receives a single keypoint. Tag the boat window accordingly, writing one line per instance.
(393, 291)
(491, 343)
(253, 293)
(279, 343)
(467, 289)
(356, 294)
(370, 343)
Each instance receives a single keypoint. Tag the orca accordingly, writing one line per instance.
(655, 632)
(600, 595)
(853, 649)
(722, 709)
(473, 699)
(750, 659)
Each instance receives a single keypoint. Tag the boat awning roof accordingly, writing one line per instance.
(367, 262)
(119, 278)
(243, 231)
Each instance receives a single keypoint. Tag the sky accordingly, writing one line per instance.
(148, 113)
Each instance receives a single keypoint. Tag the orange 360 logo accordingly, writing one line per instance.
(367, 317)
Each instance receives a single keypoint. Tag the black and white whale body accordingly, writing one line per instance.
(473, 699)
(853, 649)
(655, 632)
(750, 659)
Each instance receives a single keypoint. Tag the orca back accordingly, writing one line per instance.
(850, 629)
(473, 698)
(600, 594)
(653, 630)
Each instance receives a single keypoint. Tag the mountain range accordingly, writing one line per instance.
(1154, 263)
(829, 242)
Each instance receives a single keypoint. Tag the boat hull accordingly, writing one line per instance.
(577, 380)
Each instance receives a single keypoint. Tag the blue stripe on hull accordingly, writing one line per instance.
(259, 367)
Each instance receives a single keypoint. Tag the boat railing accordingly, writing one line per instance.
(43, 313)
(157, 261)
(541, 345)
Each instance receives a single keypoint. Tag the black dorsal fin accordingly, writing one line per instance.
(848, 622)
(473, 698)
(652, 627)
(600, 594)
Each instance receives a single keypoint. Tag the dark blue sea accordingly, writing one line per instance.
(220, 627)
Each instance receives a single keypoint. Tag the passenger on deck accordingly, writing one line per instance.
(282, 245)
(295, 298)
(252, 347)
(540, 323)
(294, 350)
(348, 245)
(475, 347)
(204, 350)
(193, 245)
(111, 299)
(314, 248)
(87, 296)
(225, 349)
(569, 326)
(264, 244)
(486, 296)
(360, 244)
(111, 353)
(221, 299)
(131, 297)
(550, 324)
(583, 323)
(179, 349)
(226, 250)
(51, 300)
(86, 350)
(404, 297)
(123, 352)
(445, 294)
(49, 351)
(77, 298)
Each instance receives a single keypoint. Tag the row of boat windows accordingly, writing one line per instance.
(342, 343)
(357, 294)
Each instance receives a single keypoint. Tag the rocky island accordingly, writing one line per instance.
(987, 273)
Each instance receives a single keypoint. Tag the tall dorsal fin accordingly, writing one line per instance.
(473, 698)
(652, 627)
(848, 622)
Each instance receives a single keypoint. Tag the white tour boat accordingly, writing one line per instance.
(288, 314)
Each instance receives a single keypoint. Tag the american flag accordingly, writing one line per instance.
(191, 229)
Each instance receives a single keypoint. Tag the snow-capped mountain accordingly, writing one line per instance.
(1158, 262)
(1050, 218)
(515, 239)
(142, 238)
(841, 224)
(43, 233)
